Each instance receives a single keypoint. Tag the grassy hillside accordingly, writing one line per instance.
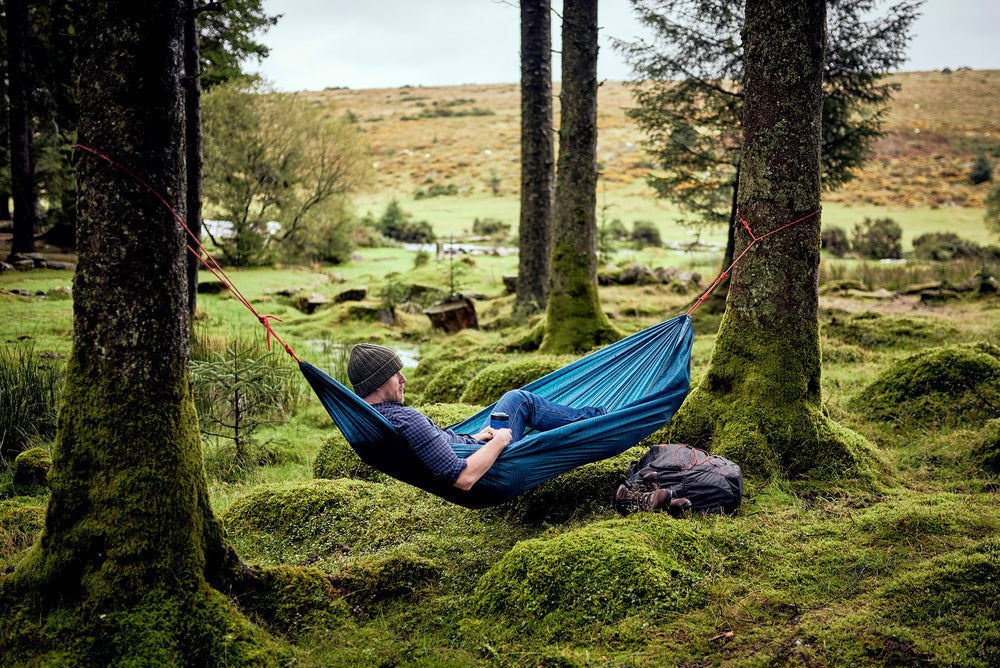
(469, 137)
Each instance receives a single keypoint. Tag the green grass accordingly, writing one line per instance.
(813, 572)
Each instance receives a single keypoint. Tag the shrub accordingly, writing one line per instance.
(950, 385)
(878, 239)
(835, 241)
(488, 227)
(982, 169)
(645, 233)
(944, 246)
(450, 382)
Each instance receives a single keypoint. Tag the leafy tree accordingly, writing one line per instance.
(537, 157)
(759, 403)
(689, 97)
(226, 38)
(273, 157)
(574, 320)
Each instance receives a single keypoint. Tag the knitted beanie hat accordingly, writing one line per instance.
(370, 365)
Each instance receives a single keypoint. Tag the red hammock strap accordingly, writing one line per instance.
(214, 267)
(754, 240)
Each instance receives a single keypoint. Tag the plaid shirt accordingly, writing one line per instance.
(429, 442)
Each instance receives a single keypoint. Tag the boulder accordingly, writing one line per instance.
(311, 303)
(510, 283)
(31, 467)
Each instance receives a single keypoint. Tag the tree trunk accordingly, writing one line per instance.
(21, 172)
(574, 320)
(129, 525)
(537, 157)
(759, 403)
(192, 134)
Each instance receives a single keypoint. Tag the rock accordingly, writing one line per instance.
(386, 316)
(352, 295)
(452, 316)
(917, 288)
(841, 286)
(6, 266)
(665, 274)
(61, 266)
(31, 467)
(938, 296)
(510, 283)
(311, 303)
(23, 265)
(357, 257)
(20, 292)
(636, 274)
(36, 259)
(211, 287)
(60, 292)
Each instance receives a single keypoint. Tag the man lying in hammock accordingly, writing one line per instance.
(375, 372)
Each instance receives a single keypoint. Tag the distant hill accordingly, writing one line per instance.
(464, 136)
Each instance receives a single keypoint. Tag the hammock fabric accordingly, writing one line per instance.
(640, 381)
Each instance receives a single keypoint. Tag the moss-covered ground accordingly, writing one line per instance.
(817, 571)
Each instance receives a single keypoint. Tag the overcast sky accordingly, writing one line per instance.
(391, 43)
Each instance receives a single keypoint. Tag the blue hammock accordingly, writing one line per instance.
(640, 381)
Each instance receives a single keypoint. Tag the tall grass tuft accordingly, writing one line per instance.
(29, 397)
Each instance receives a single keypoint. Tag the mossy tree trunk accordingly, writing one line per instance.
(574, 320)
(129, 518)
(759, 402)
(537, 157)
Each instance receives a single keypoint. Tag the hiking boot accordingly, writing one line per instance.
(627, 500)
(678, 506)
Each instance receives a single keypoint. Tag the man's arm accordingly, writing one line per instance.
(480, 461)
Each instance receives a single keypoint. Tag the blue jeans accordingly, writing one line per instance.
(530, 411)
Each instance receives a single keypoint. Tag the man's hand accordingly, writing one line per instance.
(482, 459)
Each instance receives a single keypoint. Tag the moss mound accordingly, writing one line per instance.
(20, 521)
(874, 331)
(198, 628)
(337, 459)
(450, 382)
(954, 600)
(328, 518)
(31, 467)
(491, 383)
(374, 579)
(987, 450)
(582, 492)
(945, 386)
(295, 600)
(600, 573)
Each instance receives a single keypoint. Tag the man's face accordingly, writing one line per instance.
(392, 390)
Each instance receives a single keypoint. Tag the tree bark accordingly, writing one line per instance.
(193, 143)
(574, 320)
(21, 171)
(759, 402)
(129, 515)
(537, 157)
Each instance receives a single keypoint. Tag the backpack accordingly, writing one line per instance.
(710, 482)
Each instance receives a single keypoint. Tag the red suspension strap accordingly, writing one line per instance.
(755, 239)
(214, 266)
